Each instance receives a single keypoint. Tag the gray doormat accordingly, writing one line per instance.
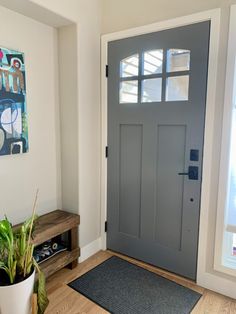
(124, 288)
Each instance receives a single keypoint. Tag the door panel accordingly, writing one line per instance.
(169, 201)
(130, 179)
(156, 110)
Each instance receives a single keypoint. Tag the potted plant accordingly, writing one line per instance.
(18, 268)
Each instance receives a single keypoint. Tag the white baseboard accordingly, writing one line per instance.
(217, 284)
(90, 249)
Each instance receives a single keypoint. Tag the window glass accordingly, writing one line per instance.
(178, 60)
(177, 88)
(151, 90)
(231, 204)
(152, 62)
(129, 91)
(229, 250)
(129, 66)
(233, 252)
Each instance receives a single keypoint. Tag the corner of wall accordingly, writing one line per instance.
(90, 249)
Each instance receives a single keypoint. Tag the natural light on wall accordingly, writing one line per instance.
(225, 246)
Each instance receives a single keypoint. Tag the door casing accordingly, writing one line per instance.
(214, 17)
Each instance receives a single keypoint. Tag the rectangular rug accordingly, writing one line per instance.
(121, 287)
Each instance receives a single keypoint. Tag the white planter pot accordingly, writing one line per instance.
(16, 299)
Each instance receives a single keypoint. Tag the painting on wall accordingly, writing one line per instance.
(13, 114)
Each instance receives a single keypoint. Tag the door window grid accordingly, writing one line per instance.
(163, 68)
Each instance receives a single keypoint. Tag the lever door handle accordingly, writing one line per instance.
(192, 173)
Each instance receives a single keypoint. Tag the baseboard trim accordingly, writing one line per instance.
(217, 284)
(90, 249)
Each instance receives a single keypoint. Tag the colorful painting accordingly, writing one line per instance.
(13, 115)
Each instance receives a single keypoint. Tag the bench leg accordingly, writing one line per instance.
(73, 238)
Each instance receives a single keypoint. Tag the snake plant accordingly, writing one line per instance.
(16, 256)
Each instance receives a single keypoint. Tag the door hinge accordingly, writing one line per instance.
(105, 226)
(106, 70)
(106, 152)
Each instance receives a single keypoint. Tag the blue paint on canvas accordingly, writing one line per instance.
(13, 114)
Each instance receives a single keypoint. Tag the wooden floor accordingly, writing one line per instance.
(64, 300)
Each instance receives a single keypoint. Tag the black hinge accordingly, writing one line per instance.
(106, 152)
(105, 226)
(107, 70)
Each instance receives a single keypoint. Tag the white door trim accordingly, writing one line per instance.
(214, 17)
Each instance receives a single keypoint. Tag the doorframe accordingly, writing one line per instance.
(214, 17)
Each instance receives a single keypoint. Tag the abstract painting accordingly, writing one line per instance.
(13, 114)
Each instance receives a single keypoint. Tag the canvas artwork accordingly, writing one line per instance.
(13, 115)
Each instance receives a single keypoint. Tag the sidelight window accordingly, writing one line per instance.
(229, 234)
(225, 246)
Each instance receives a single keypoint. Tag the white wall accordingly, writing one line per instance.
(87, 16)
(21, 175)
(122, 14)
(68, 99)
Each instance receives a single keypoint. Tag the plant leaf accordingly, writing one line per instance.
(6, 231)
(40, 289)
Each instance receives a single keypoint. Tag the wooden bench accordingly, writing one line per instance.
(54, 224)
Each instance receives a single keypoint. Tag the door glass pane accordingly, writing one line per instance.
(151, 90)
(177, 88)
(178, 60)
(129, 92)
(152, 62)
(129, 66)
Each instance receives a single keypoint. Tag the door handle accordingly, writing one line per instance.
(192, 173)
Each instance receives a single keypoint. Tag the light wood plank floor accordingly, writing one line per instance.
(64, 300)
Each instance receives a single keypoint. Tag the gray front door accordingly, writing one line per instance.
(156, 110)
